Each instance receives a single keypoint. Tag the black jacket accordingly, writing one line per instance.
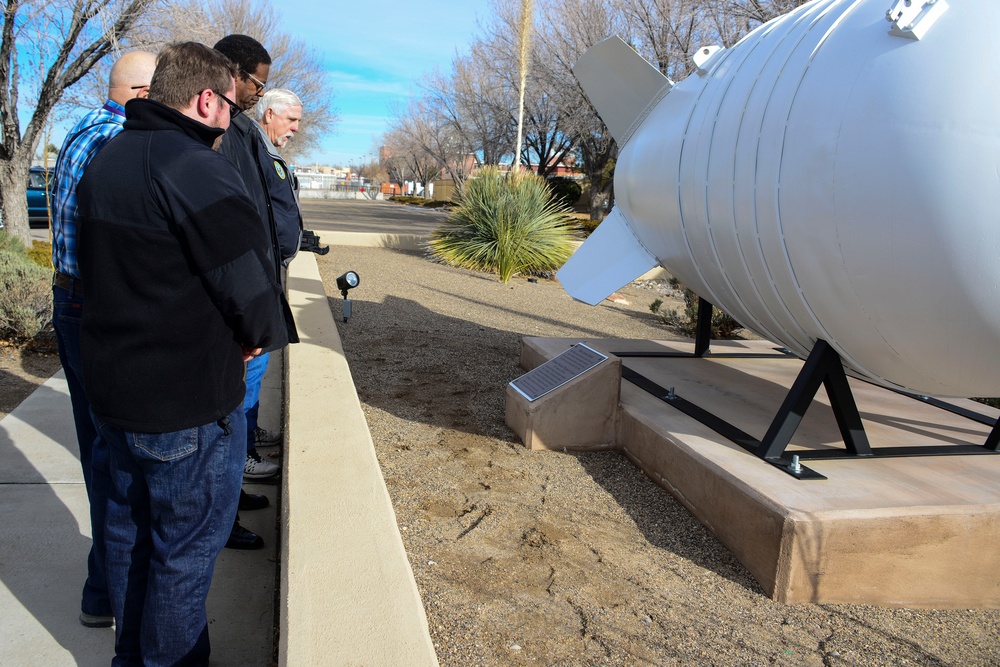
(282, 190)
(175, 280)
(243, 145)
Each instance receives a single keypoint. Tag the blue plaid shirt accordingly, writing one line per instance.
(81, 145)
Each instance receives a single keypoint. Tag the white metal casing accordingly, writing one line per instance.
(825, 179)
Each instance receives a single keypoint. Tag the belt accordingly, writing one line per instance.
(68, 283)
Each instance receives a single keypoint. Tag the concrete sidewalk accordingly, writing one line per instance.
(347, 591)
(45, 539)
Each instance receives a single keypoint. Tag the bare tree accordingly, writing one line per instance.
(729, 20)
(295, 66)
(543, 139)
(546, 140)
(475, 102)
(756, 12)
(667, 32)
(476, 107)
(373, 171)
(56, 42)
(570, 28)
(439, 138)
(404, 147)
(490, 98)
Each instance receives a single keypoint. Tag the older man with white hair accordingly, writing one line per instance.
(278, 113)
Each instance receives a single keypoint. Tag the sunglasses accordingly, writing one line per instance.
(234, 109)
(257, 82)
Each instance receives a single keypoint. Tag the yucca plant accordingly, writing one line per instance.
(506, 223)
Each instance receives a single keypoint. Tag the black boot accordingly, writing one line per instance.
(241, 538)
(252, 501)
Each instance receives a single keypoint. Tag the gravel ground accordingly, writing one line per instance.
(543, 558)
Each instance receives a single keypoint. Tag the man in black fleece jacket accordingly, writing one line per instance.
(180, 295)
(244, 146)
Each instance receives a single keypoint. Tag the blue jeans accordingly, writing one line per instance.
(256, 368)
(169, 515)
(66, 311)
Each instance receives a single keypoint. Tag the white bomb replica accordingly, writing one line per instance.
(833, 176)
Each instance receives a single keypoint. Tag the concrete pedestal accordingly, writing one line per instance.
(916, 532)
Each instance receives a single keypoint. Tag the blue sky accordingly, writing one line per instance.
(375, 55)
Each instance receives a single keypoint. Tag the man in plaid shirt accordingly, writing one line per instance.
(130, 77)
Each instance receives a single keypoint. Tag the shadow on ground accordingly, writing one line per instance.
(450, 374)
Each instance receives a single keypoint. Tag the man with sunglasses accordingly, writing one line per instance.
(179, 297)
(129, 78)
(242, 144)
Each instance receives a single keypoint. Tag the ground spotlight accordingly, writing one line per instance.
(348, 281)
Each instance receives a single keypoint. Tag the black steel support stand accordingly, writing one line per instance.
(822, 367)
(993, 441)
(703, 332)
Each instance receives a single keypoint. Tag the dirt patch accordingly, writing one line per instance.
(22, 370)
(543, 558)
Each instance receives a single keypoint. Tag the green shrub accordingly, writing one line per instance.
(506, 223)
(566, 191)
(588, 226)
(41, 254)
(407, 199)
(419, 201)
(10, 243)
(25, 293)
(723, 326)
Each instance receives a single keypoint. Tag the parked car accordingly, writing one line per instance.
(38, 202)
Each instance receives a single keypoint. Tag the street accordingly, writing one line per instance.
(366, 215)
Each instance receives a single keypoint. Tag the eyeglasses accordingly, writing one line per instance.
(145, 85)
(257, 82)
(234, 109)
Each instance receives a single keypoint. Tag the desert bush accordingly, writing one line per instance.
(566, 191)
(587, 226)
(723, 326)
(25, 293)
(10, 243)
(507, 223)
(419, 201)
(407, 199)
(41, 254)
